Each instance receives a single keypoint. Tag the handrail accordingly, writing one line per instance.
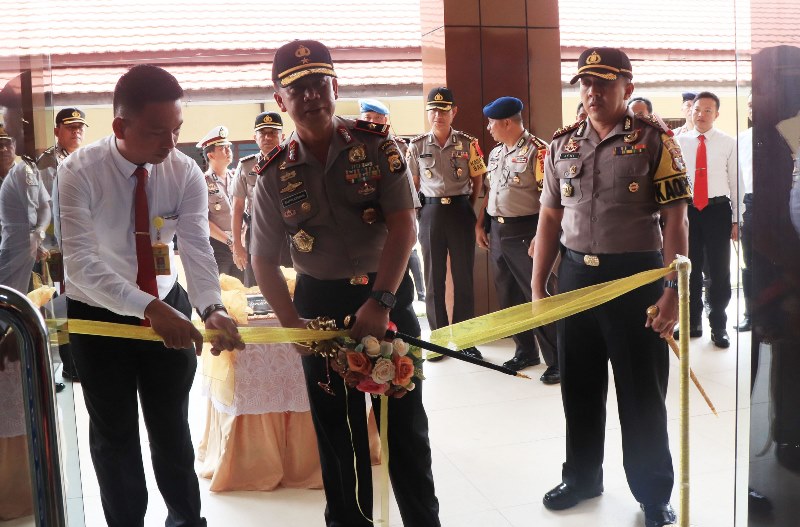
(40, 406)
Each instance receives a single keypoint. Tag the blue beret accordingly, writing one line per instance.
(372, 105)
(688, 96)
(502, 108)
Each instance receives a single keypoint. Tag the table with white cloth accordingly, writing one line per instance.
(264, 437)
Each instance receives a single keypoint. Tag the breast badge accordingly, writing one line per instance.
(306, 207)
(632, 137)
(291, 187)
(633, 187)
(428, 173)
(357, 154)
(571, 146)
(369, 216)
(567, 190)
(366, 189)
(303, 241)
(217, 206)
(286, 176)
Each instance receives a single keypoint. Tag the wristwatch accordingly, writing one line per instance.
(229, 242)
(210, 309)
(672, 284)
(39, 234)
(384, 298)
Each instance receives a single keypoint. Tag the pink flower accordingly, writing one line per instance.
(368, 385)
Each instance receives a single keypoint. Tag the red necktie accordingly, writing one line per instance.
(146, 274)
(701, 175)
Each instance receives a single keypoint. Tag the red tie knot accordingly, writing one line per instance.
(141, 174)
(701, 138)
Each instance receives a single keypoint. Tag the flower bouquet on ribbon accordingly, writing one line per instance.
(378, 367)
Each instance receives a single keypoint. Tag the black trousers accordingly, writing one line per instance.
(746, 237)
(224, 257)
(639, 358)
(410, 458)
(448, 230)
(249, 278)
(710, 238)
(113, 372)
(508, 252)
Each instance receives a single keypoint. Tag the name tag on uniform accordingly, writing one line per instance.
(520, 159)
(569, 155)
(425, 155)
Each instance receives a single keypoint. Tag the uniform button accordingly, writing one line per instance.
(596, 194)
(594, 218)
(596, 172)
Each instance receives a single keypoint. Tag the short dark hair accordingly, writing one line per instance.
(142, 85)
(578, 109)
(644, 100)
(707, 95)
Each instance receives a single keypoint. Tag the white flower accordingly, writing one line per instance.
(400, 347)
(371, 346)
(410, 386)
(386, 349)
(383, 371)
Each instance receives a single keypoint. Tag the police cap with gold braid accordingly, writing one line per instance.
(299, 58)
(440, 98)
(268, 120)
(3, 134)
(70, 116)
(605, 63)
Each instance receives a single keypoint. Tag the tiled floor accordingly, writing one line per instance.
(498, 445)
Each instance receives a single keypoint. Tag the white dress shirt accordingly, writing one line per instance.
(723, 168)
(95, 192)
(24, 208)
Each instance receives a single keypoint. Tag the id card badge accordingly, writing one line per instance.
(160, 250)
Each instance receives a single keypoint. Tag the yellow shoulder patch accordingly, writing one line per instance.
(669, 179)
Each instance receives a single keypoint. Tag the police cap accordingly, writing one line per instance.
(372, 105)
(268, 120)
(440, 98)
(216, 136)
(688, 96)
(605, 63)
(299, 58)
(502, 108)
(3, 134)
(70, 116)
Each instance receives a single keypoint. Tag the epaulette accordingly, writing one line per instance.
(372, 128)
(566, 129)
(28, 160)
(47, 151)
(656, 122)
(466, 135)
(419, 137)
(540, 145)
(247, 158)
(267, 159)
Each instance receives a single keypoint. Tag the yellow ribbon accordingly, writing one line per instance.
(506, 322)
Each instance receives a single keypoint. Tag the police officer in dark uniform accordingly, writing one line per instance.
(447, 167)
(70, 127)
(507, 224)
(341, 191)
(268, 133)
(217, 150)
(610, 181)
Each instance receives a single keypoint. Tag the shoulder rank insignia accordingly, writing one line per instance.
(566, 129)
(656, 122)
(247, 158)
(373, 128)
(419, 137)
(267, 159)
(465, 135)
(538, 143)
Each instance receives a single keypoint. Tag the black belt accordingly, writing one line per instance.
(716, 200)
(362, 279)
(444, 200)
(613, 259)
(515, 219)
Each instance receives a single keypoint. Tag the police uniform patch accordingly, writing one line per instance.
(373, 128)
(286, 176)
(345, 134)
(294, 198)
(357, 153)
(291, 187)
(267, 159)
(292, 157)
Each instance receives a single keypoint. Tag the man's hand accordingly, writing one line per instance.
(42, 254)
(664, 322)
(371, 319)
(229, 338)
(173, 327)
(481, 238)
(735, 232)
(532, 246)
(239, 255)
(9, 348)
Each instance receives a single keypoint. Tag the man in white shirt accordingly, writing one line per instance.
(120, 199)
(686, 108)
(711, 164)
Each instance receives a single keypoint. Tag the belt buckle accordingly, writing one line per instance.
(359, 280)
(591, 259)
(501, 219)
(445, 201)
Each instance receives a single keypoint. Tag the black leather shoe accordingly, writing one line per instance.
(565, 496)
(658, 515)
(520, 363)
(744, 325)
(695, 332)
(720, 338)
(60, 386)
(551, 375)
(473, 352)
(757, 502)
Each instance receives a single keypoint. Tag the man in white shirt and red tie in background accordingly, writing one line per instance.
(122, 199)
(711, 164)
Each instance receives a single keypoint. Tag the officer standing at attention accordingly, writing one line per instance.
(609, 182)
(341, 191)
(70, 127)
(219, 180)
(267, 133)
(447, 166)
(507, 224)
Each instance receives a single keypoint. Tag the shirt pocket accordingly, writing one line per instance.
(458, 170)
(297, 208)
(427, 167)
(569, 173)
(361, 183)
(632, 183)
